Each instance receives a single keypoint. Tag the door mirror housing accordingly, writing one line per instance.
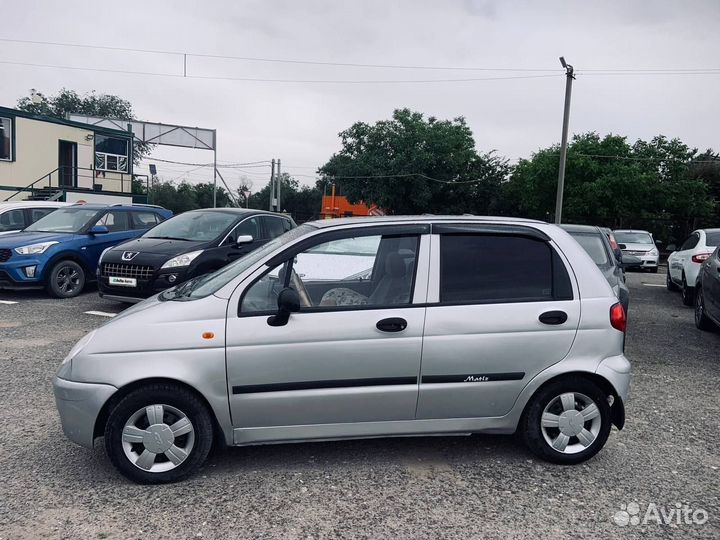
(243, 239)
(672, 247)
(98, 229)
(288, 302)
(622, 246)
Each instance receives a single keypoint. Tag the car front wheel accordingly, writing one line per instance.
(567, 421)
(669, 283)
(66, 279)
(158, 434)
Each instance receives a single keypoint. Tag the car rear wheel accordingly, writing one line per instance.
(158, 434)
(66, 279)
(701, 319)
(567, 421)
(688, 293)
(669, 283)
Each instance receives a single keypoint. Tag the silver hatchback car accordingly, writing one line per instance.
(352, 328)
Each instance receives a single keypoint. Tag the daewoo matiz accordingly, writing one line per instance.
(354, 328)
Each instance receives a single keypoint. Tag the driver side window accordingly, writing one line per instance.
(341, 274)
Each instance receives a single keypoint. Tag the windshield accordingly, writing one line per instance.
(194, 226)
(595, 247)
(625, 237)
(210, 283)
(65, 220)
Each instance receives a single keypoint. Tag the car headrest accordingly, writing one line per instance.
(394, 265)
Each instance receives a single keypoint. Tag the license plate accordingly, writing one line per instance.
(123, 281)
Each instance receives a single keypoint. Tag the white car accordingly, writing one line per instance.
(684, 264)
(639, 244)
(15, 216)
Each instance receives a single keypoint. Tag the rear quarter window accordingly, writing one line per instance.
(712, 238)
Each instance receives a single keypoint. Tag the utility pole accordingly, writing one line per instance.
(279, 184)
(272, 185)
(569, 76)
(214, 168)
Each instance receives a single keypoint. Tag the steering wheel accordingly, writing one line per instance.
(299, 286)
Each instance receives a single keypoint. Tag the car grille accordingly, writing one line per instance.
(127, 270)
(635, 253)
(5, 254)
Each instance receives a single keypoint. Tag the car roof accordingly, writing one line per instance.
(97, 206)
(36, 204)
(237, 211)
(633, 230)
(425, 218)
(571, 228)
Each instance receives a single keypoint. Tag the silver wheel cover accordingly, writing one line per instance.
(570, 423)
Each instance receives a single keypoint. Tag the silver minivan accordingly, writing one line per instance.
(360, 327)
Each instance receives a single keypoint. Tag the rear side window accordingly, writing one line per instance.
(12, 220)
(500, 268)
(145, 220)
(274, 226)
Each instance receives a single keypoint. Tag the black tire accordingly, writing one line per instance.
(531, 432)
(701, 320)
(170, 396)
(688, 293)
(65, 280)
(669, 283)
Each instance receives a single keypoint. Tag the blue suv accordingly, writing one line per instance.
(61, 251)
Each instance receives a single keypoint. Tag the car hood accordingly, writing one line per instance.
(637, 247)
(159, 246)
(27, 238)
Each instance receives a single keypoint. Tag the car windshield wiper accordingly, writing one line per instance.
(167, 238)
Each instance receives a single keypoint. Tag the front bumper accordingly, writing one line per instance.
(79, 405)
(14, 276)
(157, 282)
(646, 261)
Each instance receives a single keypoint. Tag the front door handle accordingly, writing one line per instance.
(393, 324)
(553, 317)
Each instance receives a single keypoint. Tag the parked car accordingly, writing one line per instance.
(15, 216)
(595, 241)
(707, 293)
(464, 324)
(183, 247)
(641, 245)
(684, 264)
(60, 251)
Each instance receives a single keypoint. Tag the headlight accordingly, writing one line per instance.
(182, 260)
(34, 249)
(103, 254)
(654, 252)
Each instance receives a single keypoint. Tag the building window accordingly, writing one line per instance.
(6, 139)
(111, 154)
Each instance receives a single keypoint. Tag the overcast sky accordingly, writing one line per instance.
(299, 122)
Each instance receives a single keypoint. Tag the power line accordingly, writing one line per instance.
(257, 79)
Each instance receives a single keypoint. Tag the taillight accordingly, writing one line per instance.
(613, 242)
(701, 257)
(617, 317)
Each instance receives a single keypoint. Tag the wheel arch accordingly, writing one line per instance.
(70, 256)
(104, 414)
(618, 407)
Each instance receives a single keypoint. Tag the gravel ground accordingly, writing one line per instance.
(450, 487)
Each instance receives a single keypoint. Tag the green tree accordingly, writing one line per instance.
(301, 202)
(68, 101)
(186, 196)
(410, 164)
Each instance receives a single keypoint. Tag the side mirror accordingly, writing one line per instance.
(98, 229)
(622, 246)
(288, 302)
(243, 239)
(659, 243)
(672, 247)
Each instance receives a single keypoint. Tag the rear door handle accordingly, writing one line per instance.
(393, 324)
(553, 317)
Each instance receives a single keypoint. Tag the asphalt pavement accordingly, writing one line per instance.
(665, 464)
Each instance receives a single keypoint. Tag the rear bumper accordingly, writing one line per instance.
(616, 369)
(79, 405)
